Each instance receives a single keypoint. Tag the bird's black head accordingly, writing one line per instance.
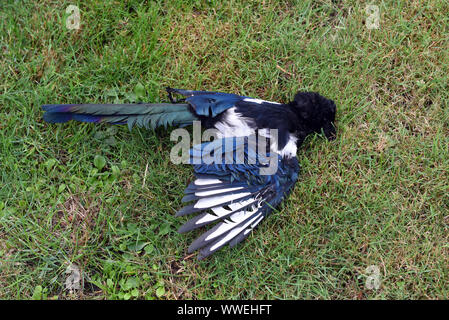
(315, 114)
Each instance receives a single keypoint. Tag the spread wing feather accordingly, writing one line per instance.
(233, 197)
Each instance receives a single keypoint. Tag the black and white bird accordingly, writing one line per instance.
(233, 196)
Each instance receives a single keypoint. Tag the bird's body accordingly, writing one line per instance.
(232, 194)
(243, 120)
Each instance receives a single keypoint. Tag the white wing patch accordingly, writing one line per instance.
(234, 125)
(290, 148)
(221, 211)
(204, 182)
(214, 201)
(259, 101)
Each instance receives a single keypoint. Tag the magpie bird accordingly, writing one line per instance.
(233, 195)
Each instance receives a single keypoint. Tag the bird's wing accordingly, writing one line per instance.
(232, 192)
(208, 103)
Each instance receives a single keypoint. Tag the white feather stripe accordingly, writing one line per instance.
(212, 192)
(220, 211)
(204, 182)
(264, 133)
(259, 101)
(234, 220)
(253, 225)
(214, 201)
(242, 215)
(233, 233)
(223, 227)
(207, 218)
(290, 148)
(237, 205)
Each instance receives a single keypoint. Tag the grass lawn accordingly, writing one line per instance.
(376, 198)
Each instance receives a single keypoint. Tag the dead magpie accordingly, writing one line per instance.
(231, 194)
